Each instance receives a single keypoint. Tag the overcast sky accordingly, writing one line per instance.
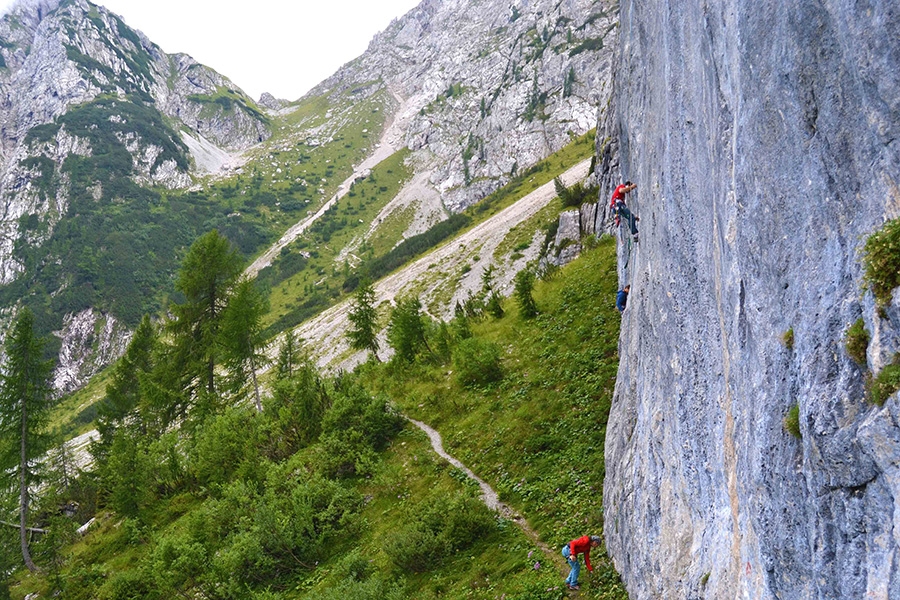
(284, 47)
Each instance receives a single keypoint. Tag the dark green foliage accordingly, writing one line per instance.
(223, 448)
(406, 330)
(354, 429)
(410, 248)
(576, 195)
(886, 383)
(476, 362)
(364, 320)
(857, 342)
(24, 405)
(208, 272)
(242, 338)
(127, 473)
(437, 529)
(524, 284)
(294, 412)
(588, 45)
(881, 258)
(792, 421)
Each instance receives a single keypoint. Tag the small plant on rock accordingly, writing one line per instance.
(792, 421)
(883, 385)
(788, 339)
(882, 261)
(857, 342)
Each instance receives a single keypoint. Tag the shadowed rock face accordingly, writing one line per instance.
(765, 140)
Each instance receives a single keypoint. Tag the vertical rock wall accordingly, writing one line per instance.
(765, 140)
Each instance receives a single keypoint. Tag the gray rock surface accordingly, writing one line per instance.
(765, 140)
(488, 87)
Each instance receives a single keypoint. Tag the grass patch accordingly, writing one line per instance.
(792, 421)
(857, 342)
(881, 261)
(886, 383)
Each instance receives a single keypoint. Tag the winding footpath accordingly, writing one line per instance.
(488, 495)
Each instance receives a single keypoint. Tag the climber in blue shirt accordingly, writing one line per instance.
(622, 298)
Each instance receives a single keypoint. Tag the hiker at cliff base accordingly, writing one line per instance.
(622, 298)
(571, 551)
(618, 206)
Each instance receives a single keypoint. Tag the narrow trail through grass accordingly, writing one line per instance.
(488, 495)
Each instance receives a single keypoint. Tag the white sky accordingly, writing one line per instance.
(284, 47)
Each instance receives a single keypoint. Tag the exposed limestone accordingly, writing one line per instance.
(764, 140)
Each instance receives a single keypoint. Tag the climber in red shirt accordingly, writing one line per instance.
(619, 208)
(571, 551)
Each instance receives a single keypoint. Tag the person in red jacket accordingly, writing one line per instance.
(571, 551)
(619, 208)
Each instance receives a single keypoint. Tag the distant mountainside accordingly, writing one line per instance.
(115, 156)
(95, 119)
(487, 88)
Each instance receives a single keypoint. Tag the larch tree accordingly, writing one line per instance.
(25, 397)
(363, 334)
(243, 337)
(207, 277)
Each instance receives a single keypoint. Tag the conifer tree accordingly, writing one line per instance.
(208, 273)
(290, 356)
(242, 336)
(24, 404)
(363, 317)
(406, 330)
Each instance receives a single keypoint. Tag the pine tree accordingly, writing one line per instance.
(363, 317)
(24, 404)
(524, 284)
(290, 356)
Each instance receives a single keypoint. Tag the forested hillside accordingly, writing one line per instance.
(324, 490)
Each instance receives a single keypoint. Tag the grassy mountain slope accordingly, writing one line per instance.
(225, 511)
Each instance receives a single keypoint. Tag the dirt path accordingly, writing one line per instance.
(489, 496)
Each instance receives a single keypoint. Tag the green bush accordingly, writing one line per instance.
(792, 421)
(477, 362)
(881, 257)
(883, 385)
(788, 339)
(857, 342)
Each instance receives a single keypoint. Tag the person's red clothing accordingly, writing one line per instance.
(582, 544)
(618, 194)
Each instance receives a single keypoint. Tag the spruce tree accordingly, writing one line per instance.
(406, 330)
(24, 403)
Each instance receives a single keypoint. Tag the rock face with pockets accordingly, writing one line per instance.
(765, 140)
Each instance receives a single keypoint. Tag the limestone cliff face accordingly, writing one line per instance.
(488, 87)
(765, 140)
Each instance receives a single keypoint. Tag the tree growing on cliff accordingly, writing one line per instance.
(24, 404)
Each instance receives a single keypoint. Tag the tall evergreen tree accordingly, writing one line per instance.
(208, 273)
(364, 319)
(406, 330)
(242, 336)
(290, 356)
(24, 404)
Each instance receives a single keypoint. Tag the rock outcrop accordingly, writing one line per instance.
(85, 103)
(487, 88)
(765, 141)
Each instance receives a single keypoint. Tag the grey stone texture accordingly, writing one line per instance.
(765, 140)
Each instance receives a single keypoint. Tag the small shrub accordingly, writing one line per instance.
(792, 421)
(524, 282)
(477, 362)
(883, 385)
(881, 258)
(788, 339)
(857, 342)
